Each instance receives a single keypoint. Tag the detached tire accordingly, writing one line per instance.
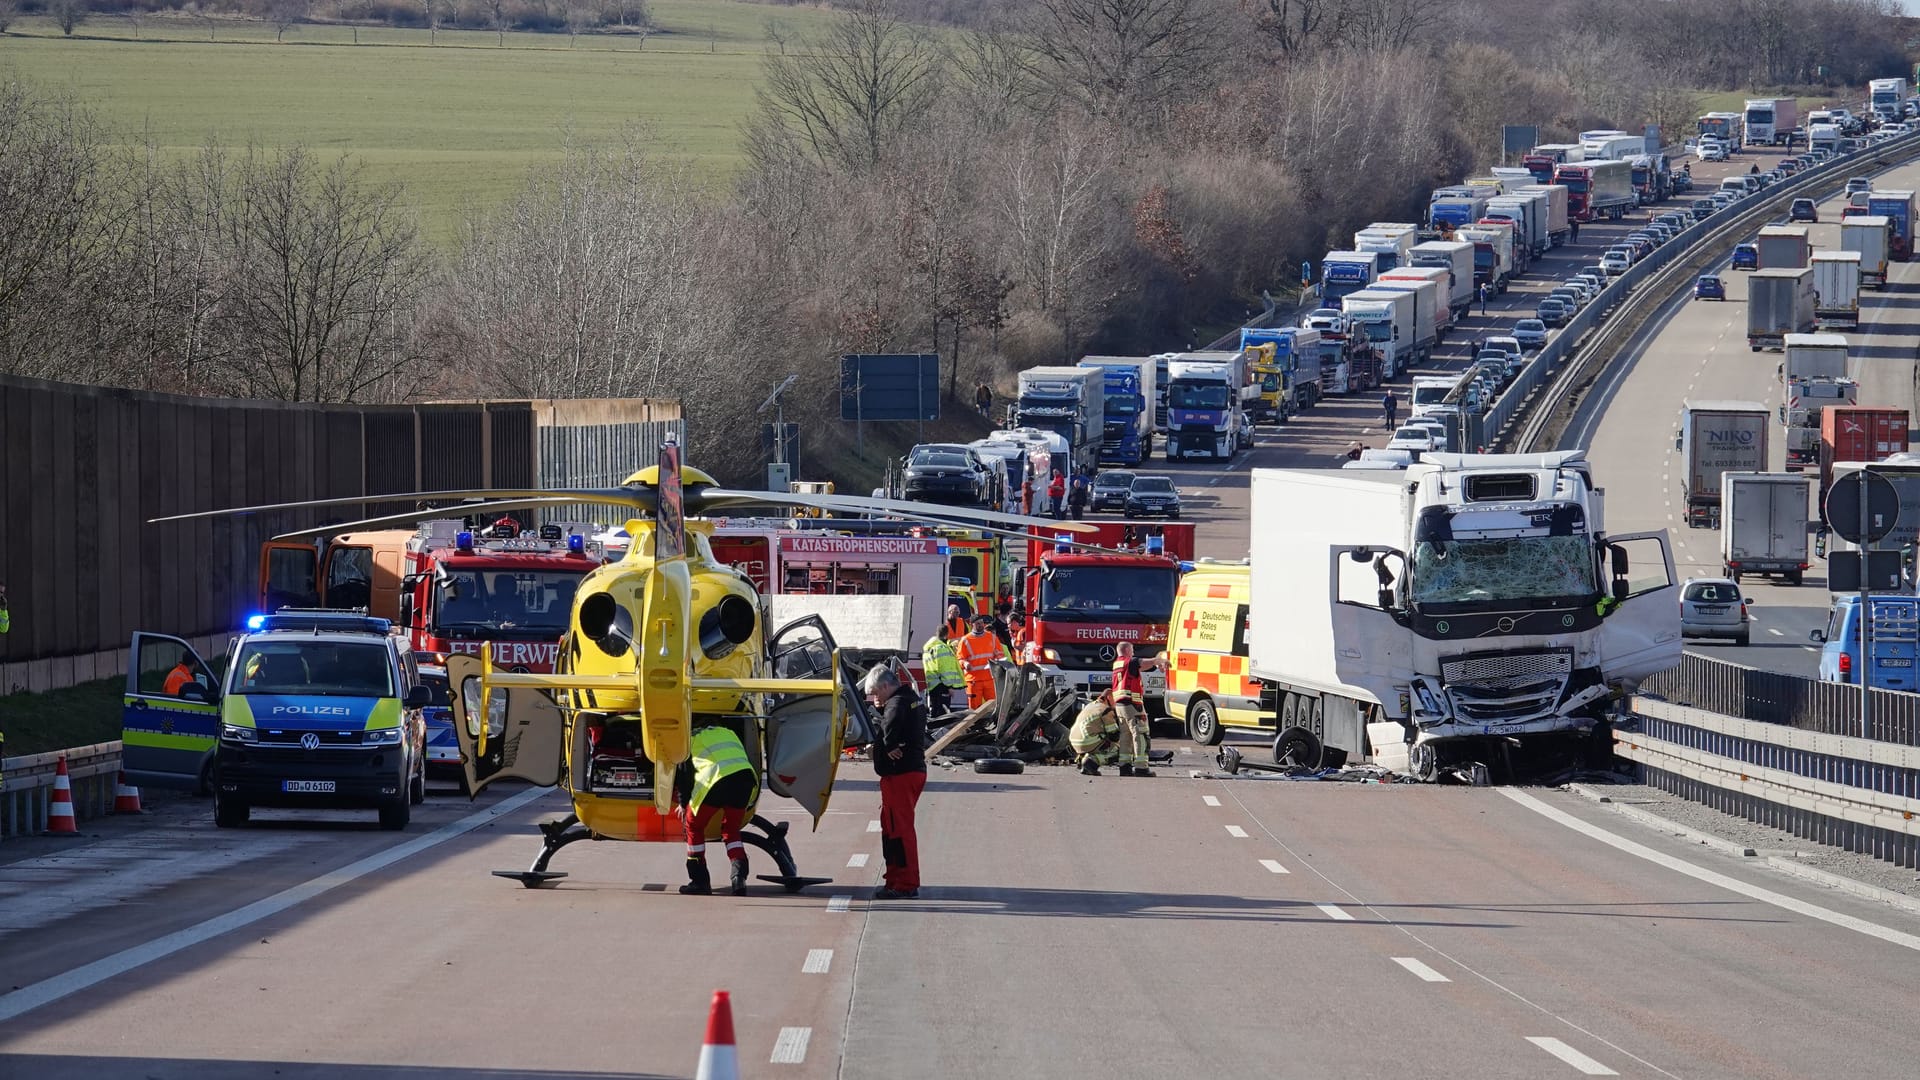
(1297, 748)
(1203, 723)
(1000, 766)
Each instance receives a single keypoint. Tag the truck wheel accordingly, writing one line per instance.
(1203, 723)
(395, 815)
(1000, 766)
(1793, 577)
(1297, 748)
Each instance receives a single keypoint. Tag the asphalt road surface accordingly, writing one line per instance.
(1068, 926)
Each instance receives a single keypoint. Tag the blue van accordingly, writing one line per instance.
(1895, 642)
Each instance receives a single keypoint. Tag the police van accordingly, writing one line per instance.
(314, 709)
(1208, 682)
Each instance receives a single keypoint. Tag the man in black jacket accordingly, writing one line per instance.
(900, 760)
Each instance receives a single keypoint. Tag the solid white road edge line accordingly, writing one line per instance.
(31, 997)
(818, 962)
(1420, 970)
(1571, 1056)
(791, 1047)
(1701, 873)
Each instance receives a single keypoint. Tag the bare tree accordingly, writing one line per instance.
(67, 14)
(497, 18)
(634, 13)
(324, 273)
(1121, 59)
(1295, 25)
(871, 76)
(9, 10)
(1057, 205)
(579, 17)
(778, 31)
(285, 14)
(432, 11)
(193, 10)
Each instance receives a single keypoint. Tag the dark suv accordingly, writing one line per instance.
(1153, 496)
(948, 473)
(1110, 489)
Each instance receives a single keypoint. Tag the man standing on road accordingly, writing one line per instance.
(1391, 407)
(1483, 299)
(1575, 226)
(1057, 493)
(900, 760)
(942, 666)
(977, 652)
(1129, 690)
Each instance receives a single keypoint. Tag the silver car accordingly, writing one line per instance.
(1714, 608)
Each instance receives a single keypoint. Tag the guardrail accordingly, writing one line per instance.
(91, 771)
(1857, 794)
(1732, 689)
(1543, 386)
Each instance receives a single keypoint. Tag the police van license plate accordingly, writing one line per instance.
(307, 787)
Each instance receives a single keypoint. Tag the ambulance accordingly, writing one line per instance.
(1209, 686)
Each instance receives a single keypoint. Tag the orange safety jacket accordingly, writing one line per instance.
(1127, 684)
(977, 654)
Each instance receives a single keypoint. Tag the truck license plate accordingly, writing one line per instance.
(307, 787)
(1895, 661)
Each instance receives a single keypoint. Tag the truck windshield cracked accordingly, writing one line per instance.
(1502, 571)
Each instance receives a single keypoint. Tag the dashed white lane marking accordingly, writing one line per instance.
(1334, 913)
(1701, 873)
(1775, 632)
(791, 1047)
(1571, 1056)
(1273, 866)
(839, 903)
(88, 975)
(818, 961)
(1420, 970)
(1235, 830)
(873, 826)
(855, 862)
(1210, 800)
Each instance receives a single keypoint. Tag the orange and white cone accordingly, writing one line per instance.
(719, 1058)
(126, 797)
(60, 820)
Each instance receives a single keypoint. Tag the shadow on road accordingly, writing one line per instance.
(1093, 904)
(56, 1066)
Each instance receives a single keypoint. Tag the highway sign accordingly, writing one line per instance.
(890, 386)
(1843, 506)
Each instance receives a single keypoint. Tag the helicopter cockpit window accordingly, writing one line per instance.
(474, 603)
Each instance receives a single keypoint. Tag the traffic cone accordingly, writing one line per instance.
(719, 1058)
(126, 797)
(60, 819)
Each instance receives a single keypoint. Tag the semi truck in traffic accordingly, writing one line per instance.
(1290, 378)
(1557, 224)
(1716, 437)
(1427, 309)
(1126, 407)
(1868, 234)
(1069, 402)
(1764, 524)
(1779, 302)
(1442, 297)
(1597, 189)
(1493, 254)
(1543, 159)
(1652, 178)
(1898, 208)
(1887, 98)
(1836, 288)
(1391, 241)
(1770, 121)
(1467, 617)
(1528, 213)
(1813, 378)
(1463, 206)
(1782, 246)
(1208, 394)
(1386, 316)
(1858, 433)
(1456, 258)
(1343, 272)
(1613, 146)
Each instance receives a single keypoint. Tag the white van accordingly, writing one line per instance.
(1429, 391)
(1740, 186)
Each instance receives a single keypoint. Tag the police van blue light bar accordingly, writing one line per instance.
(255, 622)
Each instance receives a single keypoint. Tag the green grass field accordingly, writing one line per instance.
(458, 122)
(78, 716)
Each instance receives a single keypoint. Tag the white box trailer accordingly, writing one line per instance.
(1455, 257)
(1836, 288)
(1395, 244)
(1558, 229)
(1442, 280)
(1763, 524)
(1529, 216)
(1387, 318)
(1426, 308)
(1868, 234)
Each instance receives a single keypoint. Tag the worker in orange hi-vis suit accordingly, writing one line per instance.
(978, 650)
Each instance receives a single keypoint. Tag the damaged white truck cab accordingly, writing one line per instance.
(1468, 616)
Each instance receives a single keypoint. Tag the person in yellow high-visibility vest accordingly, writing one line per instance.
(942, 667)
(717, 778)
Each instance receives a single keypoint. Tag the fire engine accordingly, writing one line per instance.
(1076, 606)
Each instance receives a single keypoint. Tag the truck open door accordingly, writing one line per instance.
(1371, 649)
(289, 575)
(1641, 635)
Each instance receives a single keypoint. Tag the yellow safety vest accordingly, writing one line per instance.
(941, 665)
(717, 753)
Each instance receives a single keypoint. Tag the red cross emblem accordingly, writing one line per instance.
(1192, 623)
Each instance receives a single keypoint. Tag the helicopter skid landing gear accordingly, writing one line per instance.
(559, 834)
(774, 843)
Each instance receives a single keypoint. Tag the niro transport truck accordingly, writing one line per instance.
(1468, 616)
(1717, 437)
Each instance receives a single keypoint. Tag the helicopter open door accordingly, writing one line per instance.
(805, 732)
(524, 736)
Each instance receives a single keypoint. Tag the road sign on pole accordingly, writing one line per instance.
(1863, 507)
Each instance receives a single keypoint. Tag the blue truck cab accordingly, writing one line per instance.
(314, 709)
(1894, 641)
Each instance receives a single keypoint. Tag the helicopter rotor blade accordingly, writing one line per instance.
(620, 496)
(414, 516)
(931, 513)
(1012, 534)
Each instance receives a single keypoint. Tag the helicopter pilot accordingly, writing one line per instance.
(717, 778)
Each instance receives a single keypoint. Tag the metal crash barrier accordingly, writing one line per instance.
(91, 771)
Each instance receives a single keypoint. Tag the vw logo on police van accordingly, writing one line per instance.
(310, 741)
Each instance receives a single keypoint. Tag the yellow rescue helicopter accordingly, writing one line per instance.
(663, 641)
